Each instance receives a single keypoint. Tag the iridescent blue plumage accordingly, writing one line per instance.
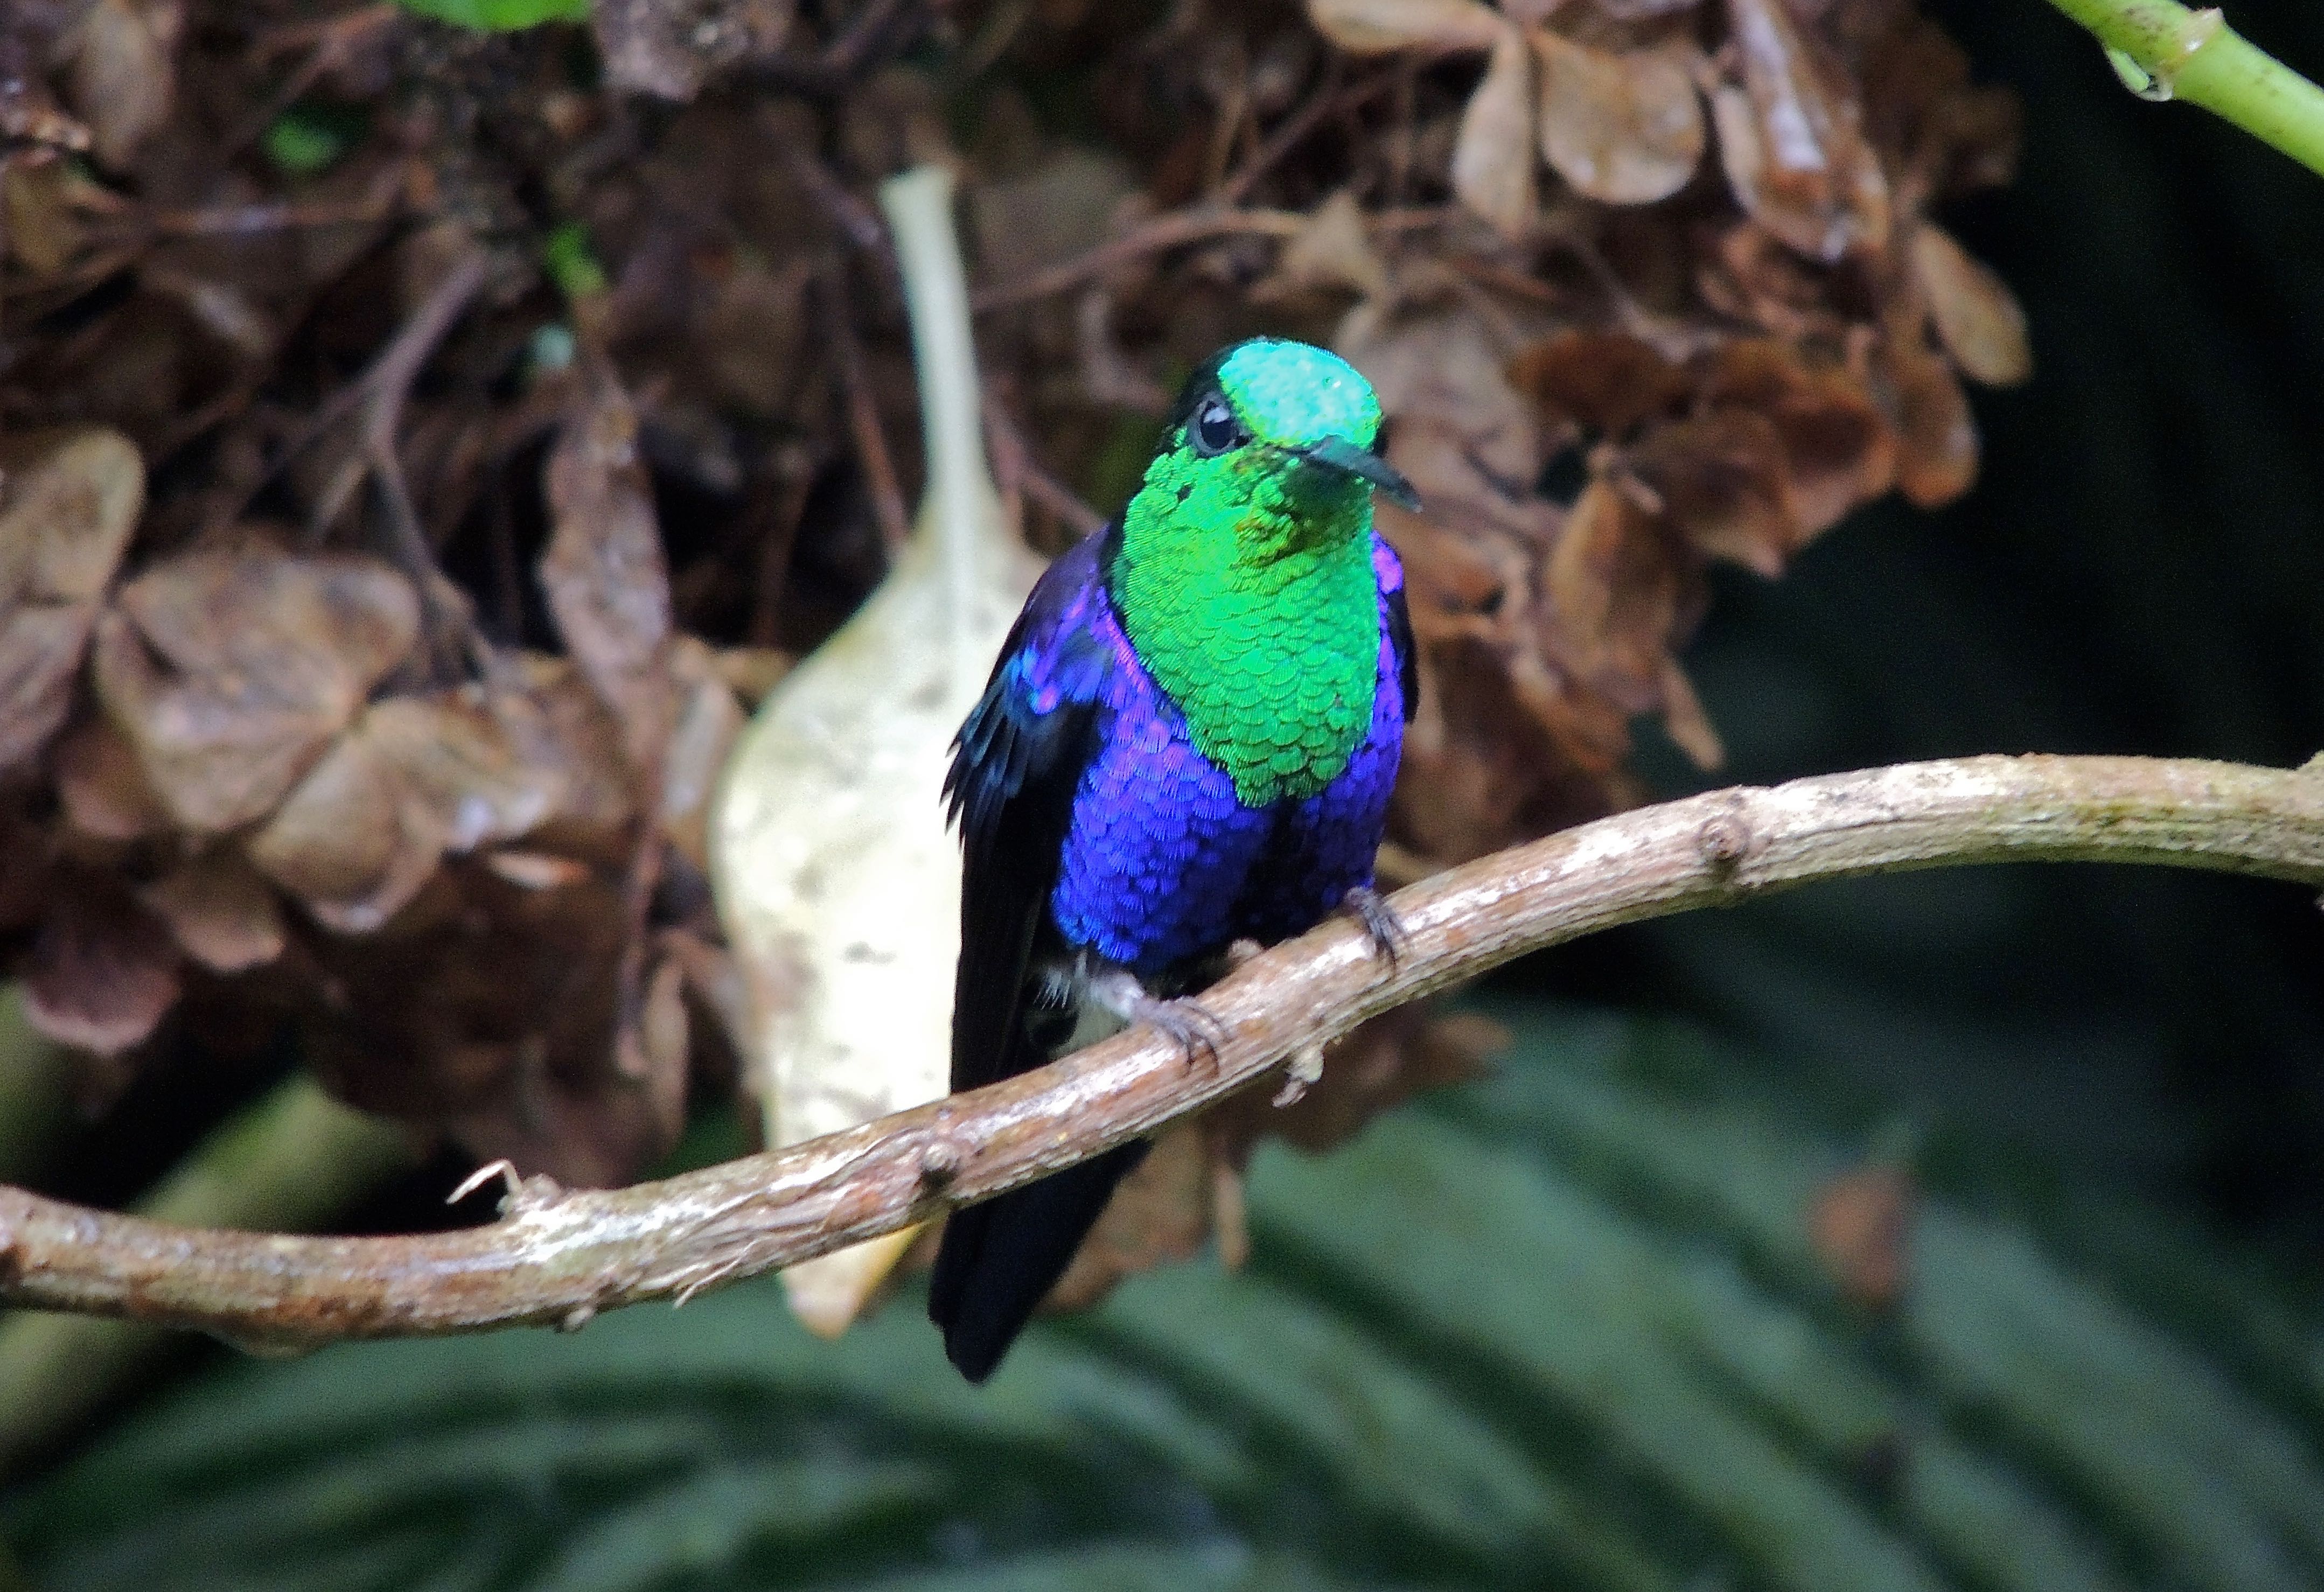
(1099, 838)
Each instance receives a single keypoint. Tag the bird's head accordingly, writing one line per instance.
(1271, 442)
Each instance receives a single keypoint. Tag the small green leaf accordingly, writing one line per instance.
(572, 264)
(308, 139)
(499, 16)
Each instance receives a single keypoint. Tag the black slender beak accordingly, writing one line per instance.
(1340, 454)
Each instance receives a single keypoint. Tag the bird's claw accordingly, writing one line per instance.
(1370, 909)
(1198, 1034)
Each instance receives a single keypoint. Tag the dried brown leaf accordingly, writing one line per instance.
(1373, 27)
(1686, 721)
(1624, 129)
(27, 110)
(1509, 739)
(124, 74)
(353, 842)
(231, 672)
(1752, 276)
(40, 653)
(44, 234)
(1792, 140)
(607, 582)
(1480, 770)
(752, 332)
(1838, 443)
(1724, 481)
(1923, 110)
(1332, 250)
(536, 871)
(1605, 382)
(1492, 160)
(220, 911)
(751, 672)
(488, 1008)
(1976, 315)
(1445, 368)
(1860, 1225)
(1937, 454)
(1384, 1062)
(69, 501)
(481, 778)
(561, 723)
(1067, 204)
(671, 48)
(102, 785)
(103, 971)
(587, 1135)
(1620, 597)
(662, 1038)
(708, 720)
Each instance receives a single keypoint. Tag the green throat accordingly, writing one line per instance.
(1245, 583)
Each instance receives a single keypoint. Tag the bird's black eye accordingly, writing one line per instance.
(1214, 429)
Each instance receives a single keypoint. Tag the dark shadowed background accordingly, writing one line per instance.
(2140, 569)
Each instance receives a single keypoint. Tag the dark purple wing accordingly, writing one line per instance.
(1388, 570)
(1015, 764)
(1016, 767)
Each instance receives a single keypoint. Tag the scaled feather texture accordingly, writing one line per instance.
(1189, 738)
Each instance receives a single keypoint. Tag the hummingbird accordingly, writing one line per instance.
(1187, 742)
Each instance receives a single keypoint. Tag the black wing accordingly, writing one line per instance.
(1014, 772)
(1010, 787)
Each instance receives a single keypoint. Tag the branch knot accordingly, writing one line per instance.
(1726, 839)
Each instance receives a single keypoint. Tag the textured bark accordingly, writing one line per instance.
(559, 1257)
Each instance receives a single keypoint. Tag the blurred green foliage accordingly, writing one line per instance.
(571, 261)
(500, 15)
(306, 140)
(1560, 1327)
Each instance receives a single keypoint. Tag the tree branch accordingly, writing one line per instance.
(559, 1257)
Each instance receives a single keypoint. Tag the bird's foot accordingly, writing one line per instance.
(1198, 1034)
(1370, 909)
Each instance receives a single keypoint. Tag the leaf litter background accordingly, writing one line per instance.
(223, 824)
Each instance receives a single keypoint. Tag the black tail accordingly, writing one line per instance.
(1000, 1258)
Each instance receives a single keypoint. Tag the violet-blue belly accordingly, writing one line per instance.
(1163, 863)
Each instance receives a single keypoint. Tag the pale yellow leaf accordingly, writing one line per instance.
(1791, 138)
(124, 73)
(1976, 315)
(837, 881)
(1332, 250)
(1623, 129)
(1492, 161)
(1374, 27)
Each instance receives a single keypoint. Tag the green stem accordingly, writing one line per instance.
(2194, 56)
